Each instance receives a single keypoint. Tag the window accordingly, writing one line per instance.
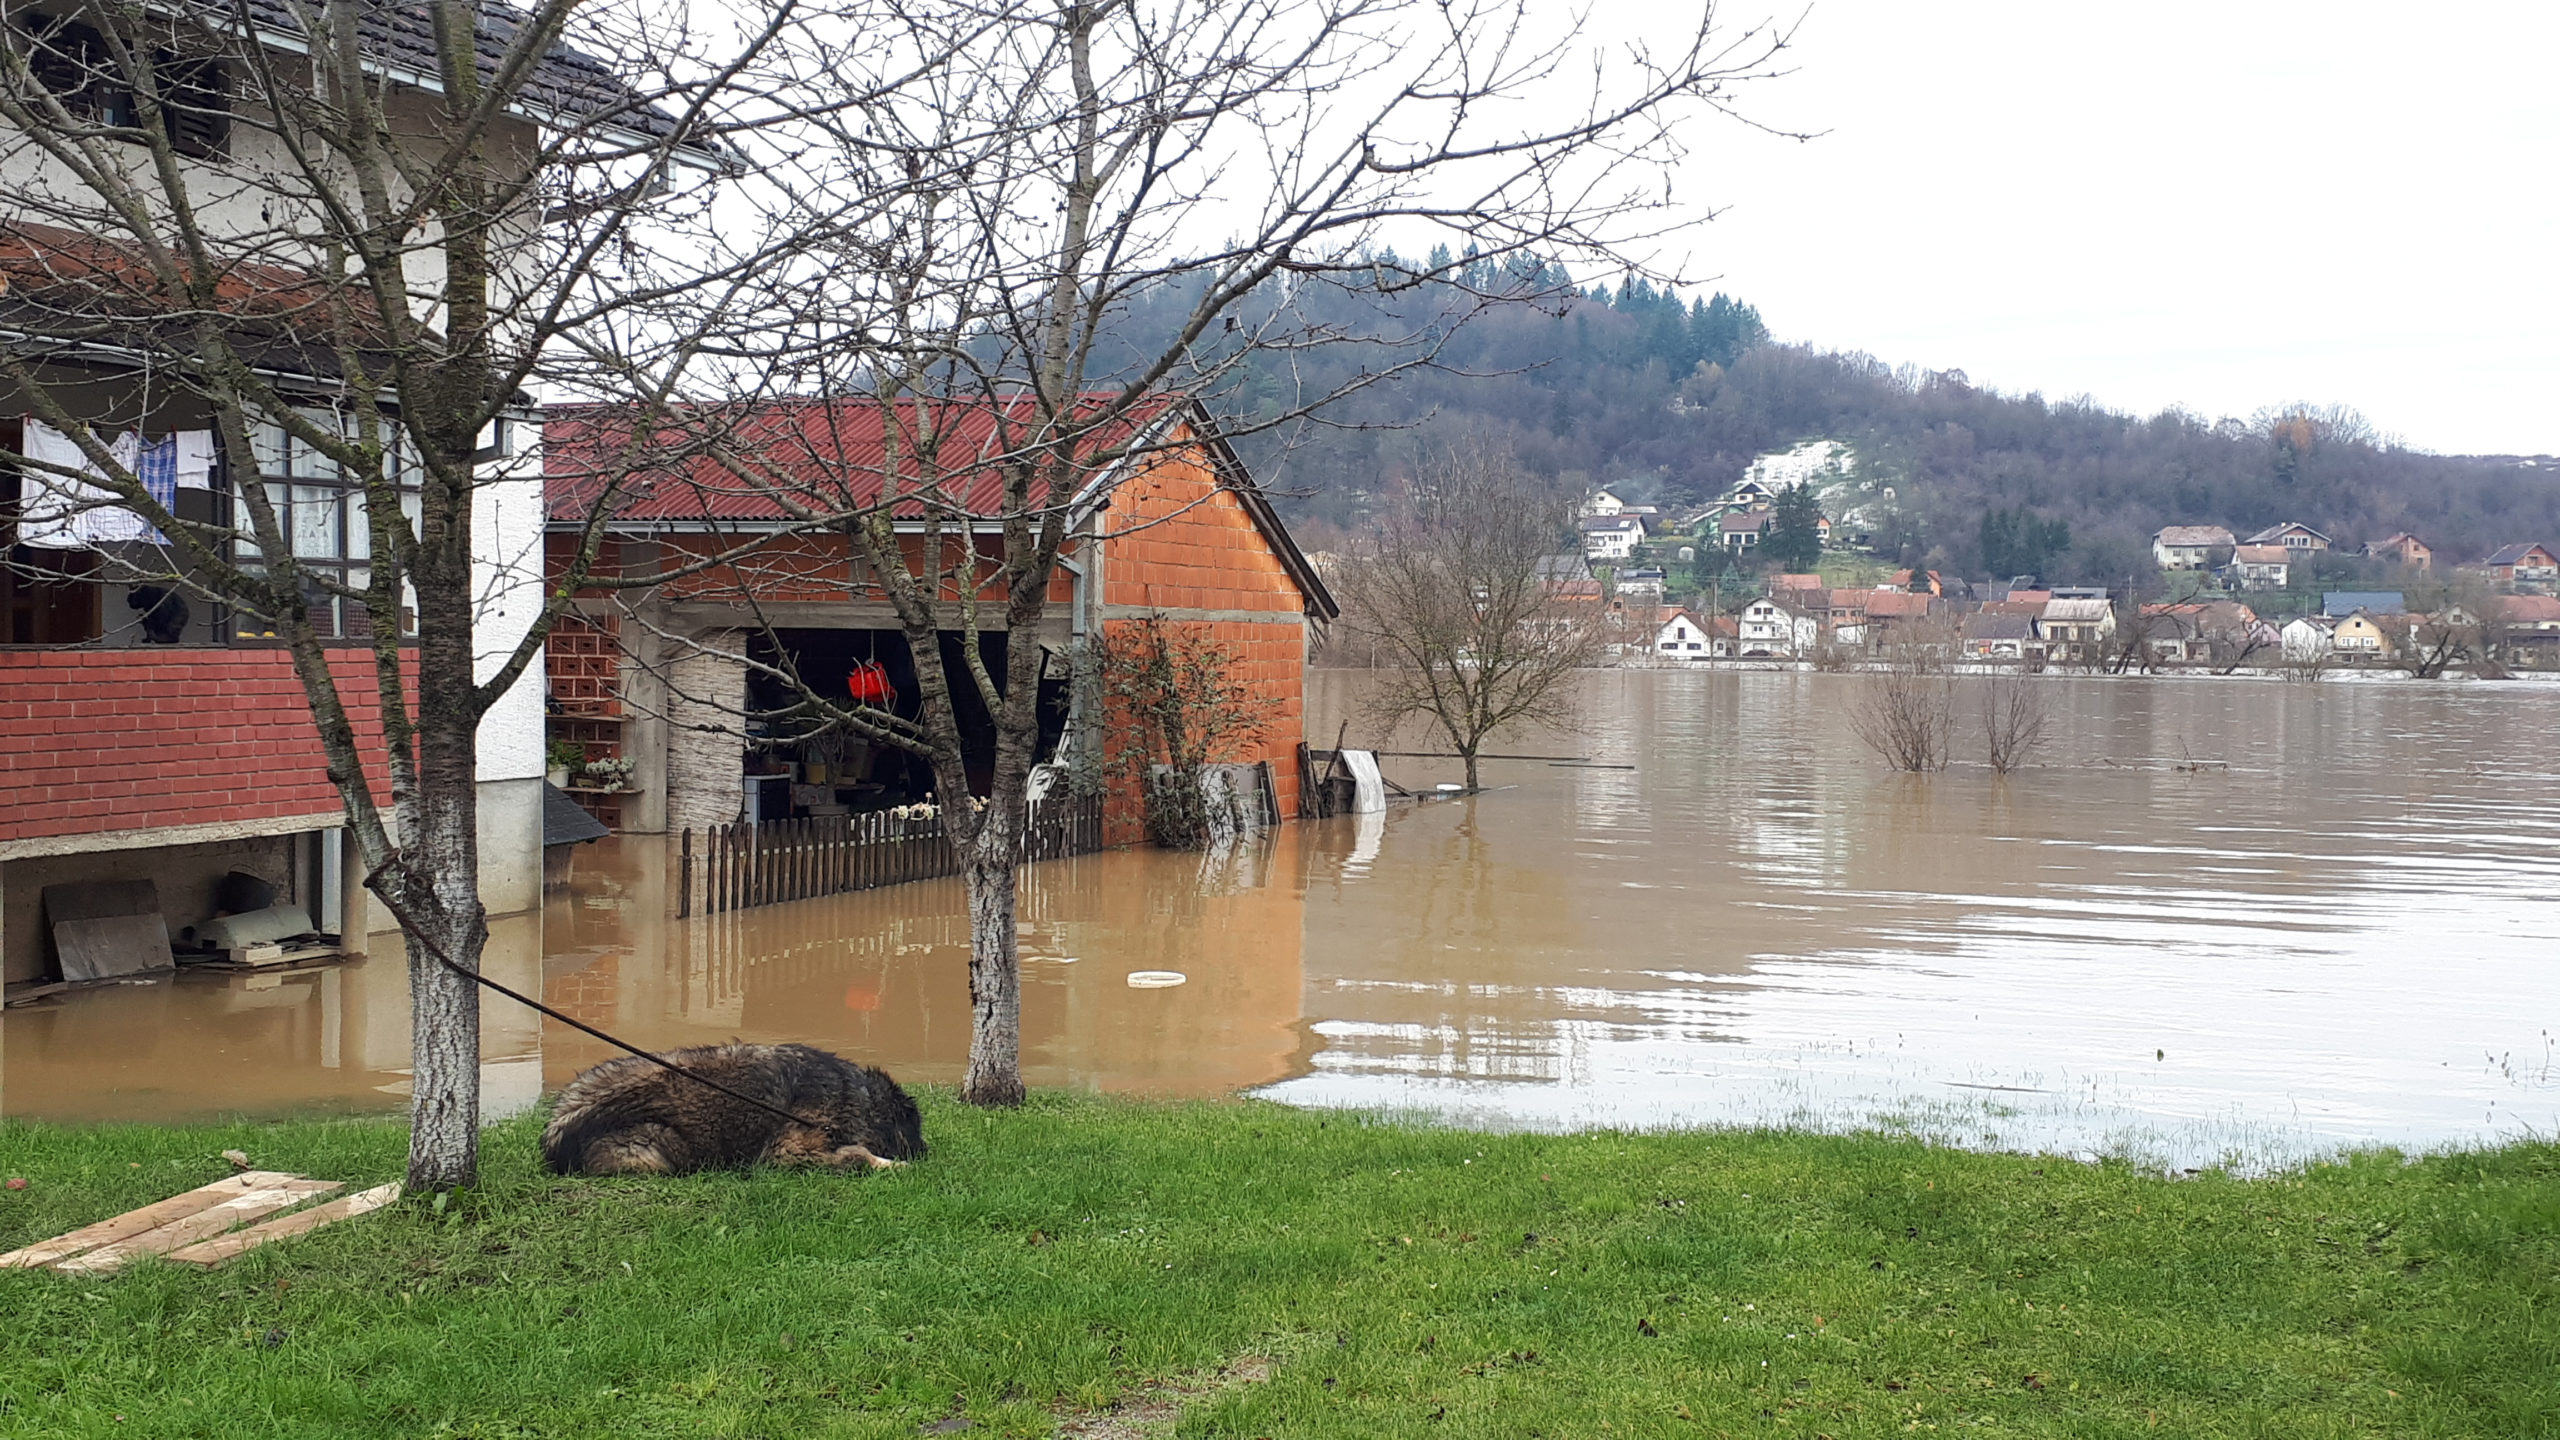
(76, 65)
(195, 105)
(323, 517)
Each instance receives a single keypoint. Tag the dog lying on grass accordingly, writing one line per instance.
(632, 1117)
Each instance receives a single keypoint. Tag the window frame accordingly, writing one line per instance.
(298, 476)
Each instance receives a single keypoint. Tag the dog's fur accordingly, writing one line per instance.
(632, 1117)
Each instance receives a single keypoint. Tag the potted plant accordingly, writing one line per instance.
(609, 774)
(563, 759)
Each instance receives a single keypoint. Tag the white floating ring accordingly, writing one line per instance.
(1155, 979)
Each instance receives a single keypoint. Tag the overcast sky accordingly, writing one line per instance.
(2219, 205)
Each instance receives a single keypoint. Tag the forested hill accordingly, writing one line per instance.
(1667, 399)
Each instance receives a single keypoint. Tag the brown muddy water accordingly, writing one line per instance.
(2350, 936)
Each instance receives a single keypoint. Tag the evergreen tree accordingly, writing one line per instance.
(1793, 540)
(2021, 542)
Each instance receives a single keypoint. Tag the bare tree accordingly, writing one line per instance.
(2447, 630)
(2234, 636)
(352, 241)
(2015, 716)
(1906, 713)
(2306, 669)
(1029, 226)
(1450, 589)
(2138, 630)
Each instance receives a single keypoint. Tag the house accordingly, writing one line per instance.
(2404, 550)
(1742, 529)
(2307, 638)
(1611, 537)
(1686, 637)
(1192, 539)
(1915, 582)
(2173, 634)
(1748, 494)
(2362, 637)
(1985, 636)
(1766, 628)
(2189, 547)
(2292, 535)
(1891, 615)
(147, 737)
(2259, 567)
(2339, 604)
(1644, 584)
(1801, 592)
(2526, 631)
(2526, 569)
(2223, 632)
(1601, 504)
(2075, 630)
(1844, 612)
(1552, 569)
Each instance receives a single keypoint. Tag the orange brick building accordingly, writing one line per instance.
(696, 700)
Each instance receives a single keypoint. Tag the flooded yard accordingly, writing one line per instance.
(2350, 935)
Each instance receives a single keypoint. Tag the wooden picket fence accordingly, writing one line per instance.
(746, 864)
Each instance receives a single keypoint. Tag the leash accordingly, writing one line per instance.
(437, 953)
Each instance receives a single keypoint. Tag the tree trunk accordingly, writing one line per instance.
(442, 866)
(1470, 753)
(994, 1076)
(444, 1049)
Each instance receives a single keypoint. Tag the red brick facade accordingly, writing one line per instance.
(104, 740)
(1190, 551)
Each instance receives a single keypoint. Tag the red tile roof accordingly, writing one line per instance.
(795, 459)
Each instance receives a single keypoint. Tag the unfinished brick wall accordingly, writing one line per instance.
(97, 741)
(1200, 559)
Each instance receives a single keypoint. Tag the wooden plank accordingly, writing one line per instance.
(149, 1217)
(222, 1247)
(202, 1225)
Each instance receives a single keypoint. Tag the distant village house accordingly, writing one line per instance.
(2189, 547)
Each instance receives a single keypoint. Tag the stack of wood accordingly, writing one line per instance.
(196, 1228)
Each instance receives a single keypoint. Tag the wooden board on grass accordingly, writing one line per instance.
(136, 1222)
(223, 1247)
(202, 1225)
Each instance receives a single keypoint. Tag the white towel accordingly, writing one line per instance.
(1368, 789)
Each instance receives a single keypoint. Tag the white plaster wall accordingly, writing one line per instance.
(506, 549)
(258, 196)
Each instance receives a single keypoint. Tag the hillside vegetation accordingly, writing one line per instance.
(1668, 399)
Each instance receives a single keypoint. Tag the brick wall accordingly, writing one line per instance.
(96, 741)
(1201, 560)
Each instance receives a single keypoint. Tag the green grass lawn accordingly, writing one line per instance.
(1406, 1281)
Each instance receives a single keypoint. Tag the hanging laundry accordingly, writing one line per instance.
(71, 512)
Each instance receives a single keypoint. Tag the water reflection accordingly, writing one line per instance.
(883, 975)
(2348, 936)
(301, 1042)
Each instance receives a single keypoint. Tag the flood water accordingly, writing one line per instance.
(2347, 933)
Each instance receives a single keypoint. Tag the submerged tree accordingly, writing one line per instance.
(2015, 716)
(1453, 594)
(1905, 712)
